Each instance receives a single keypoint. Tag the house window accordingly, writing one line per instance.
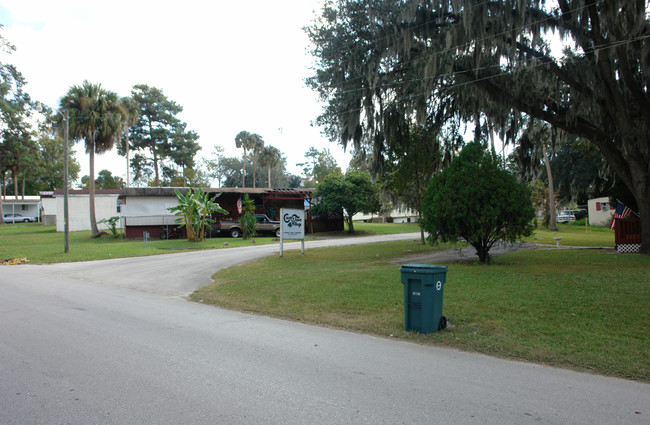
(604, 206)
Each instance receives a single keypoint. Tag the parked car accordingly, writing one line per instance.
(565, 217)
(263, 225)
(17, 218)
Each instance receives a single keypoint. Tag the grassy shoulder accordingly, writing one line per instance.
(589, 313)
(43, 244)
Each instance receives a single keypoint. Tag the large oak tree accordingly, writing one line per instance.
(477, 59)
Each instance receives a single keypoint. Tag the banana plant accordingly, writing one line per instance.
(194, 211)
(248, 220)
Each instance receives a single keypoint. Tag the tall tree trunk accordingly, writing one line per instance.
(14, 177)
(420, 194)
(643, 202)
(421, 228)
(254, 166)
(154, 151)
(640, 188)
(22, 190)
(552, 226)
(268, 168)
(155, 166)
(350, 224)
(91, 193)
(128, 177)
(3, 194)
(243, 171)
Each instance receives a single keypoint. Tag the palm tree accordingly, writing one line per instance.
(131, 115)
(245, 141)
(96, 116)
(270, 157)
(258, 145)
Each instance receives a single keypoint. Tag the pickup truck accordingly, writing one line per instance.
(263, 225)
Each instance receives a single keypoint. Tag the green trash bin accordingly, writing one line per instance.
(423, 288)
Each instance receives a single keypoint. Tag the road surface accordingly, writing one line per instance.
(88, 343)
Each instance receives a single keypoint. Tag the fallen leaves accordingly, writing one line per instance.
(13, 261)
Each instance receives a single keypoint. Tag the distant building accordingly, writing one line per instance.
(79, 208)
(29, 206)
(48, 208)
(396, 215)
(600, 211)
(147, 209)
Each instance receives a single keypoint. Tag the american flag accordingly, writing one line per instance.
(621, 211)
(239, 205)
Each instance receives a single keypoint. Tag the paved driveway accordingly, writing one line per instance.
(180, 274)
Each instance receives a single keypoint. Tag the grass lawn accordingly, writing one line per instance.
(43, 244)
(369, 229)
(575, 234)
(581, 309)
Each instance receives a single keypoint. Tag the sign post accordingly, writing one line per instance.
(292, 227)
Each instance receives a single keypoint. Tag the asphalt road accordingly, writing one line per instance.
(83, 344)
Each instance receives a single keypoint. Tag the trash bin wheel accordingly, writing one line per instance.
(442, 324)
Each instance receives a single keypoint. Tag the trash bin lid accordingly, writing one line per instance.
(422, 268)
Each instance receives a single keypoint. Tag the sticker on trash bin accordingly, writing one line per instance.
(417, 293)
(439, 285)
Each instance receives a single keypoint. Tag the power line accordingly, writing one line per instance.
(467, 44)
(596, 48)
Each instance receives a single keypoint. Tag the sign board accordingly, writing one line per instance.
(292, 227)
(292, 223)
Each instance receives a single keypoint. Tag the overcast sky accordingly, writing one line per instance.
(232, 65)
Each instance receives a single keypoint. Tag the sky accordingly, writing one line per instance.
(231, 65)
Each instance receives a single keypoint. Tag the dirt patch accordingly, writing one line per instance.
(462, 254)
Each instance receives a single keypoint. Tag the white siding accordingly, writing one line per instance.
(148, 210)
(79, 211)
(49, 206)
(602, 217)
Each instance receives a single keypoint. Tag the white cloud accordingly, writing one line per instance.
(232, 65)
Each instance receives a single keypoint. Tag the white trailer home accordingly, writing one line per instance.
(27, 206)
(600, 211)
(79, 208)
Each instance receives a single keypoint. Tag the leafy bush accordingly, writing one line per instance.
(111, 223)
(476, 200)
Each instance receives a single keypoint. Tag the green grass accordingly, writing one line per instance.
(370, 229)
(589, 313)
(43, 244)
(575, 235)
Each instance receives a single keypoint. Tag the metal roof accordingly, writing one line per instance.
(169, 191)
